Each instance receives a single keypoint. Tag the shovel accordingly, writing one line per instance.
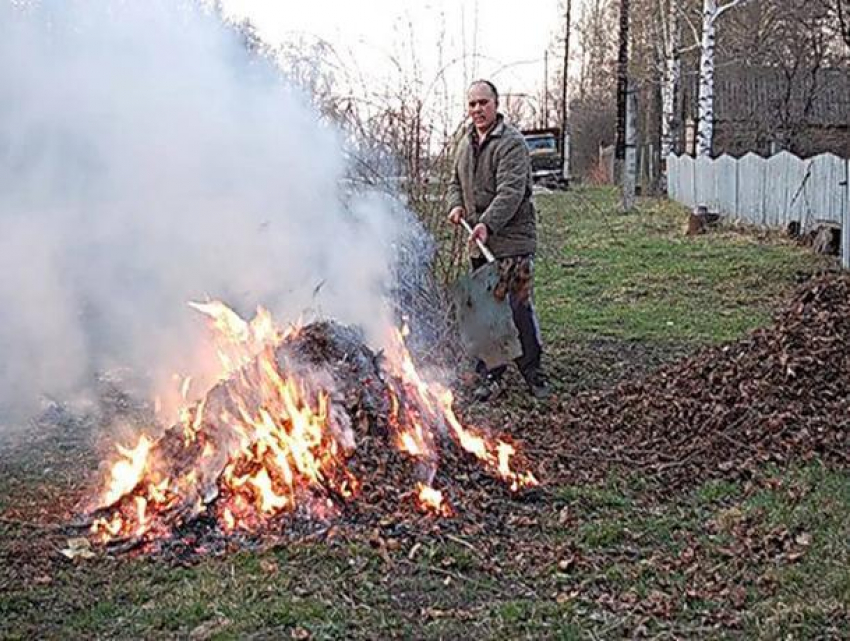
(486, 324)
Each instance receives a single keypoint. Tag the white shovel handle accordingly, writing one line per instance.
(487, 253)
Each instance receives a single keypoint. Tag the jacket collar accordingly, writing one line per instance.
(496, 132)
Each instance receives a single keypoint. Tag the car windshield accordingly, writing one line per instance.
(537, 144)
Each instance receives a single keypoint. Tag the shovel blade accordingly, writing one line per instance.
(486, 324)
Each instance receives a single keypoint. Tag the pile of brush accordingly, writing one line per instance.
(315, 432)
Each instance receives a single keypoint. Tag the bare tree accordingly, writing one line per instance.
(592, 106)
(782, 61)
(596, 33)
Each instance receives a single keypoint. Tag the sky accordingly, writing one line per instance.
(510, 38)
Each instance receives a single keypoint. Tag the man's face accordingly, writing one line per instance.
(482, 106)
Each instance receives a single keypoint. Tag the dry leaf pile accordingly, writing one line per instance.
(781, 395)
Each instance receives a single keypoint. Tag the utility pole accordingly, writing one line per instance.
(544, 117)
(620, 165)
(622, 85)
(565, 132)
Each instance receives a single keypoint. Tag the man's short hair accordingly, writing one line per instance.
(489, 85)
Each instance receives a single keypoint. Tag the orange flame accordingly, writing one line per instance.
(438, 401)
(431, 500)
(127, 472)
(273, 443)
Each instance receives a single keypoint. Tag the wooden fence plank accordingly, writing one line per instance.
(726, 186)
(837, 174)
(818, 190)
(776, 196)
(798, 177)
(751, 182)
(687, 183)
(704, 182)
(673, 177)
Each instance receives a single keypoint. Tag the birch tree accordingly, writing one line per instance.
(711, 12)
(671, 75)
(842, 11)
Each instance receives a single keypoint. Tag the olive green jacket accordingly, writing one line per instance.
(493, 184)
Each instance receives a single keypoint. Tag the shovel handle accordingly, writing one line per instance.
(487, 253)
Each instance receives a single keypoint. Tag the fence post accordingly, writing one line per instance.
(845, 223)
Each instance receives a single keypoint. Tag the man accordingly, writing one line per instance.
(491, 189)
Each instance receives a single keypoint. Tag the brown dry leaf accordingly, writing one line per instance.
(659, 603)
(300, 634)
(738, 596)
(208, 629)
(728, 518)
(78, 548)
(269, 566)
(566, 597)
(804, 539)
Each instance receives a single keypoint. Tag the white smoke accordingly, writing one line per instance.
(147, 159)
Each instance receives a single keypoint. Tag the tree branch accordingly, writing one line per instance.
(693, 47)
(729, 5)
(690, 23)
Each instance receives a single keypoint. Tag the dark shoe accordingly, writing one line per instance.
(489, 389)
(538, 386)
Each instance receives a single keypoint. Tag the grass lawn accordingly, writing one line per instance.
(638, 277)
(617, 295)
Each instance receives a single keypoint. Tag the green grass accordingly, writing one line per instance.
(812, 506)
(638, 277)
(630, 552)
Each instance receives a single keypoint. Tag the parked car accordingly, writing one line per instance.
(545, 148)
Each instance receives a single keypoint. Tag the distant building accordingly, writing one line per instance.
(763, 110)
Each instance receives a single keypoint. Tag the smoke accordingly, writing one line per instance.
(148, 159)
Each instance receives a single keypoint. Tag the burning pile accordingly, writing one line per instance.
(283, 434)
(780, 395)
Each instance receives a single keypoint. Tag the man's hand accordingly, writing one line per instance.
(478, 232)
(456, 214)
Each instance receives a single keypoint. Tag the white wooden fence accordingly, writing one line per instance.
(771, 192)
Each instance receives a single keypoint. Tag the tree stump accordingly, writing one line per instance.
(826, 238)
(700, 219)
